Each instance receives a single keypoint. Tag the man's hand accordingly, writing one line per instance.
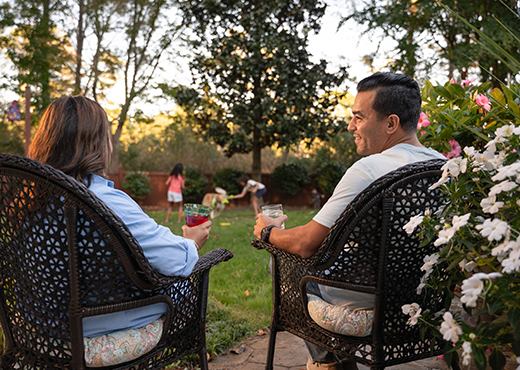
(199, 234)
(263, 221)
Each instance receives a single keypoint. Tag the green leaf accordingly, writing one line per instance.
(514, 319)
(480, 358)
(497, 360)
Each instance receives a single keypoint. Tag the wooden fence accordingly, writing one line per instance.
(157, 198)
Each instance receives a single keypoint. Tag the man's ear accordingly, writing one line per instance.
(392, 124)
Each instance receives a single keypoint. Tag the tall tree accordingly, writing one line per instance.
(36, 48)
(425, 25)
(259, 85)
(149, 32)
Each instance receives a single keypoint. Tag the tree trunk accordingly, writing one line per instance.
(80, 36)
(256, 173)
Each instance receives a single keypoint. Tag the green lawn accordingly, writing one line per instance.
(240, 294)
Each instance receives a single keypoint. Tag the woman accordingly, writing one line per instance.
(176, 186)
(73, 136)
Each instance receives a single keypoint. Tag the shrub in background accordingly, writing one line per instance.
(328, 175)
(195, 185)
(290, 178)
(138, 184)
(227, 179)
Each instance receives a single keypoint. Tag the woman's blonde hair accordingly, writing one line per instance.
(73, 136)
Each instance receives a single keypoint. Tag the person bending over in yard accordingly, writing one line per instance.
(73, 136)
(256, 188)
(384, 124)
(176, 181)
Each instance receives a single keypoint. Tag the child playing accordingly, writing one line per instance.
(176, 181)
(257, 188)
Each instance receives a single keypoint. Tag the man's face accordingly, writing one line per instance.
(368, 128)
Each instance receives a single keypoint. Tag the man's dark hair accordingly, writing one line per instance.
(397, 94)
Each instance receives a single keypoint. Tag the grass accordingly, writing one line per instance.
(240, 290)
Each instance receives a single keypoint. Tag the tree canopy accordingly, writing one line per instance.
(429, 35)
(257, 83)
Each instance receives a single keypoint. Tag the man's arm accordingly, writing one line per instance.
(301, 240)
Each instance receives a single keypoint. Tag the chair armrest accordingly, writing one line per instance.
(295, 259)
(210, 259)
(205, 262)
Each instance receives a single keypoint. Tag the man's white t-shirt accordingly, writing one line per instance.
(359, 176)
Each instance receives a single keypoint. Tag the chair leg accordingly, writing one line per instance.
(270, 353)
(203, 359)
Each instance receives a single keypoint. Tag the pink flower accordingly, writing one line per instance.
(453, 81)
(423, 121)
(483, 101)
(466, 83)
(455, 150)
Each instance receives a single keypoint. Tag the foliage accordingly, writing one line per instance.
(478, 230)
(328, 175)
(138, 183)
(37, 50)
(12, 139)
(259, 86)
(290, 178)
(195, 185)
(418, 27)
(227, 179)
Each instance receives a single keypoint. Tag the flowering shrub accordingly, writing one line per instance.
(478, 229)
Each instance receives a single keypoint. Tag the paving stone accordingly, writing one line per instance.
(291, 354)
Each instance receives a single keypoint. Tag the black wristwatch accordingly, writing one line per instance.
(265, 233)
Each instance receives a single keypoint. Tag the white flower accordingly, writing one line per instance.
(429, 262)
(444, 178)
(507, 171)
(410, 309)
(466, 354)
(460, 221)
(444, 236)
(493, 229)
(512, 263)
(414, 310)
(449, 328)
(470, 151)
(518, 361)
(502, 249)
(413, 223)
(490, 205)
(471, 288)
(504, 132)
(456, 166)
(503, 186)
(468, 266)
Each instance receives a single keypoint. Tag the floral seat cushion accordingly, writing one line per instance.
(339, 319)
(122, 346)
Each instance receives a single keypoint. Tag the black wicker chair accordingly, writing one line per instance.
(366, 250)
(65, 256)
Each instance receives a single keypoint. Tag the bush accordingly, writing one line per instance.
(138, 184)
(328, 175)
(195, 185)
(227, 179)
(290, 178)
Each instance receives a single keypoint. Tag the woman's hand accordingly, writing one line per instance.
(199, 234)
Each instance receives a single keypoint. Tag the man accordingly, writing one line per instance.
(384, 124)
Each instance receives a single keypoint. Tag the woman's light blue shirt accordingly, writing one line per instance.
(169, 254)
